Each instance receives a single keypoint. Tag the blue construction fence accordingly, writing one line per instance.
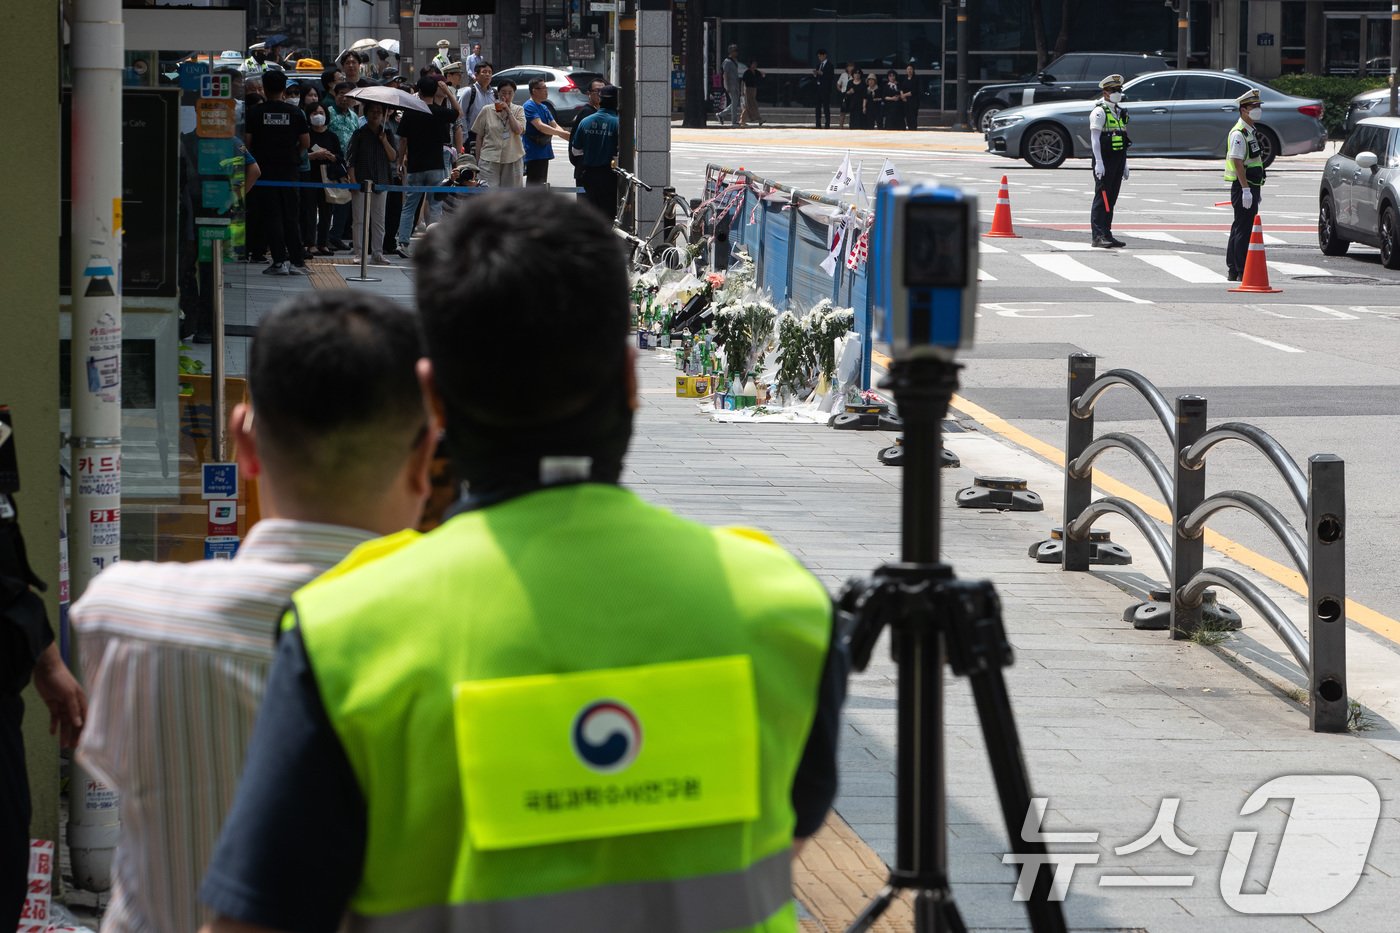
(787, 233)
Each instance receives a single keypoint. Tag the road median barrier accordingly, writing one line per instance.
(1318, 552)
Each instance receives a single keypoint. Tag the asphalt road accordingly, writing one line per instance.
(1315, 365)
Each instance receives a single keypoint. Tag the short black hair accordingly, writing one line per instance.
(274, 83)
(538, 82)
(481, 65)
(336, 402)
(507, 82)
(343, 86)
(427, 86)
(479, 291)
(821, 51)
(328, 78)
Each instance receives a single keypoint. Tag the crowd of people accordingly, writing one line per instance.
(465, 131)
(355, 724)
(866, 101)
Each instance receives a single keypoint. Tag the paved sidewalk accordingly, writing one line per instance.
(1112, 720)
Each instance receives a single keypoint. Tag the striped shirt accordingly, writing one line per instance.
(176, 657)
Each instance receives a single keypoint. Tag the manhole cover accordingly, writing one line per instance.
(1336, 279)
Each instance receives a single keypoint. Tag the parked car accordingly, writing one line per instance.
(1181, 114)
(1366, 104)
(1073, 76)
(568, 89)
(1359, 200)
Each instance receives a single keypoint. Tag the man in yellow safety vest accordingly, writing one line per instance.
(564, 708)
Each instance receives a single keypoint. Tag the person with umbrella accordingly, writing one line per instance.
(370, 157)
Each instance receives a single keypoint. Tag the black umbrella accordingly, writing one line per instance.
(279, 39)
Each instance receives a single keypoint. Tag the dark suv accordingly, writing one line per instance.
(1074, 76)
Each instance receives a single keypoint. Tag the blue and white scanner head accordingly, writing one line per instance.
(923, 269)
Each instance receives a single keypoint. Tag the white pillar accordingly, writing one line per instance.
(96, 261)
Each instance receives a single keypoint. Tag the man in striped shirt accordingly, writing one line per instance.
(176, 655)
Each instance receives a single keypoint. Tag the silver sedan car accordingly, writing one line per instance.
(1183, 114)
(1359, 200)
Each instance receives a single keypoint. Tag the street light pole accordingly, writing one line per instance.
(1183, 35)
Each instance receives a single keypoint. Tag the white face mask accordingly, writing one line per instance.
(294, 101)
(318, 120)
(1116, 96)
(1255, 112)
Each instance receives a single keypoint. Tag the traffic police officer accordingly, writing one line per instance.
(564, 708)
(1244, 170)
(594, 144)
(443, 58)
(256, 62)
(1108, 137)
(1109, 140)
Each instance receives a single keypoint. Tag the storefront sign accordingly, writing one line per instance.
(214, 118)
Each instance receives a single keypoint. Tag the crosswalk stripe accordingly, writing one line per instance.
(984, 276)
(1271, 240)
(1184, 269)
(988, 248)
(1115, 293)
(1293, 268)
(1156, 235)
(1069, 268)
(1075, 246)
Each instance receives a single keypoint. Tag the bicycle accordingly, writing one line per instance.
(675, 238)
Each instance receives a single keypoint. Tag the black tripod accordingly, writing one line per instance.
(933, 618)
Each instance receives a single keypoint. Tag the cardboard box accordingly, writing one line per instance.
(692, 386)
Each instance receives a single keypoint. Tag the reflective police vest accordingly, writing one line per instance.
(572, 706)
(1114, 128)
(251, 66)
(1253, 154)
(442, 60)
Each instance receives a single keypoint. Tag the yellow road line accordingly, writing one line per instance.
(1377, 622)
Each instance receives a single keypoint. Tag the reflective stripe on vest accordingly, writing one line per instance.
(731, 901)
(1253, 154)
(1113, 126)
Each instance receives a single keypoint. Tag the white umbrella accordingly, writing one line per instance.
(391, 97)
(363, 44)
(390, 45)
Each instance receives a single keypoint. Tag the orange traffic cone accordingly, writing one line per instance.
(1256, 267)
(1001, 217)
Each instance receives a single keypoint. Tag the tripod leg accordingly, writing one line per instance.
(873, 910)
(1013, 787)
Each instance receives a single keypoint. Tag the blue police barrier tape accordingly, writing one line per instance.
(430, 189)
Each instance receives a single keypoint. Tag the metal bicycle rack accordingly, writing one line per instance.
(1319, 554)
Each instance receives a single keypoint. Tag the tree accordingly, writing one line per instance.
(1067, 10)
(696, 100)
(1038, 26)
